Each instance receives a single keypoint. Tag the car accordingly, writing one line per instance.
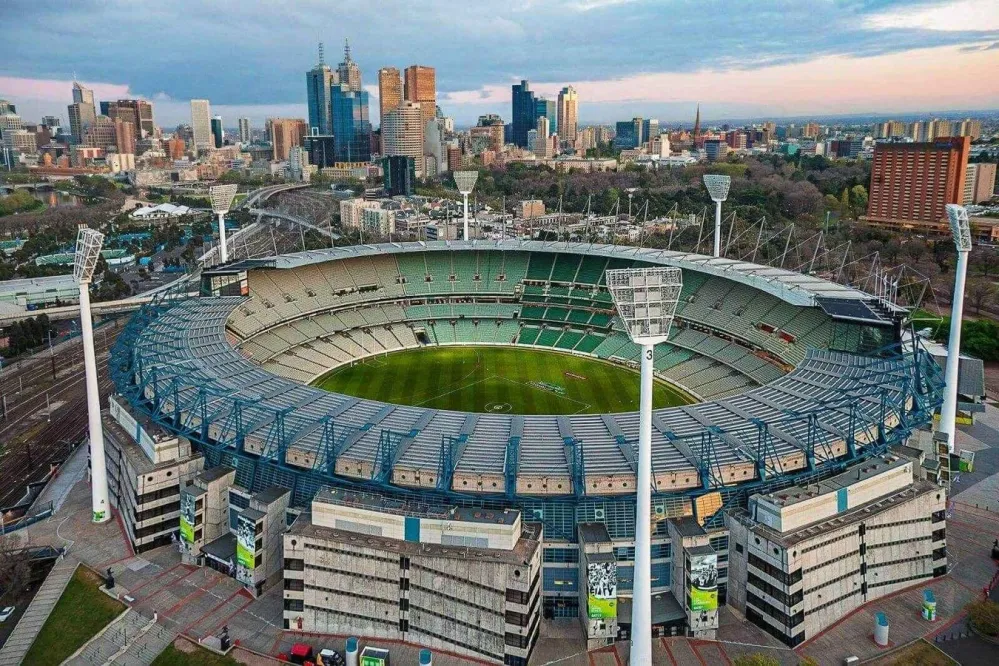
(6, 612)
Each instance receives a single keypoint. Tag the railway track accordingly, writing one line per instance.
(33, 439)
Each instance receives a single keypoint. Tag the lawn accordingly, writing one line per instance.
(173, 656)
(500, 380)
(80, 613)
(919, 653)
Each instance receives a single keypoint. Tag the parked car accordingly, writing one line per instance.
(6, 612)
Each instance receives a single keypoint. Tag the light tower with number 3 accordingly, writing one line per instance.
(961, 229)
(222, 196)
(88, 250)
(646, 301)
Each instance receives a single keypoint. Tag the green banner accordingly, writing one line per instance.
(245, 542)
(601, 590)
(704, 582)
(187, 510)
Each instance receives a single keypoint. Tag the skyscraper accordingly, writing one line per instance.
(547, 108)
(201, 124)
(124, 136)
(402, 132)
(244, 130)
(81, 112)
(317, 82)
(351, 126)
(568, 114)
(139, 112)
(285, 133)
(911, 183)
(523, 116)
(100, 134)
(543, 142)
(348, 73)
(218, 134)
(421, 88)
(389, 91)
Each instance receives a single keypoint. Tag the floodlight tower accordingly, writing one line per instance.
(646, 302)
(961, 228)
(88, 250)
(222, 196)
(465, 181)
(631, 193)
(718, 190)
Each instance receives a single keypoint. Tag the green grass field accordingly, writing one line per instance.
(503, 380)
(81, 612)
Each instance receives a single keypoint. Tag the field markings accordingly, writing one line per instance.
(526, 385)
(460, 388)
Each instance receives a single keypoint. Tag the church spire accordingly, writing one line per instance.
(697, 121)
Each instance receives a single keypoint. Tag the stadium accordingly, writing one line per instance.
(770, 378)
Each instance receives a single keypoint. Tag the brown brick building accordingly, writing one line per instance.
(911, 183)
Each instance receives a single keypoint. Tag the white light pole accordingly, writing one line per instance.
(960, 227)
(646, 302)
(631, 193)
(222, 196)
(718, 191)
(465, 182)
(88, 250)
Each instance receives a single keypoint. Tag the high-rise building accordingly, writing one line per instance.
(318, 81)
(100, 134)
(715, 149)
(176, 148)
(547, 108)
(543, 143)
(810, 131)
(522, 113)
(629, 134)
(389, 91)
(285, 133)
(6, 107)
(348, 73)
(139, 112)
(421, 88)
(911, 183)
(244, 131)
(81, 112)
(650, 130)
(201, 124)
(454, 161)
(321, 149)
(399, 174)
(402, 132)
(351, 126)
(434, 146)
(979, 182)
(124, 136)
(890, 129)
(568, 114)
(968, 127)
(218, 134)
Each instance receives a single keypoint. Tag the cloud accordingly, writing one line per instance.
(956, 15)
(177, 51)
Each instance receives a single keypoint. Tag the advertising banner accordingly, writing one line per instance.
(704, 582)
(601, 590)
(245, 540)
(187, 517)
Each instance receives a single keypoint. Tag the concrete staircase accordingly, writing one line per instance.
(38, 612)
(131, 639)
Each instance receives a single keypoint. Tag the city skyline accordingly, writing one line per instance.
(788, 67)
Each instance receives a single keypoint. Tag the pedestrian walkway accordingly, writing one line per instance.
(38, 612)
(131, 639)
(70, 472)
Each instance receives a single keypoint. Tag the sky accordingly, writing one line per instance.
(654, 58)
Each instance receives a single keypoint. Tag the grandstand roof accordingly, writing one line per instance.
(185, 348)
(792, 287)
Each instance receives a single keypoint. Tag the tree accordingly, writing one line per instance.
(844, 201)
(15, 572)
(858, 197)
(980, 291)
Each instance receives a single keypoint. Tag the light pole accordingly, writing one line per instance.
(88, 250)
(631, 193)
(465, 182)
(222, 196)
(646, 302)
(961, 229)
(718, 191)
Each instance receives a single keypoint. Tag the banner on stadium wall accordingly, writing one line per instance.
(704, 582)
(601, 590)
(187, 510)
(245, 542)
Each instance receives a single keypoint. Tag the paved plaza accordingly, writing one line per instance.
(198, 602)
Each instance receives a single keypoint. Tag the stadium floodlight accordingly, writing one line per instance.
(646, 301)
(88, 250)
(631, 193)
(961, 229)
(222, 196)
(465, 182)
(718, 191)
